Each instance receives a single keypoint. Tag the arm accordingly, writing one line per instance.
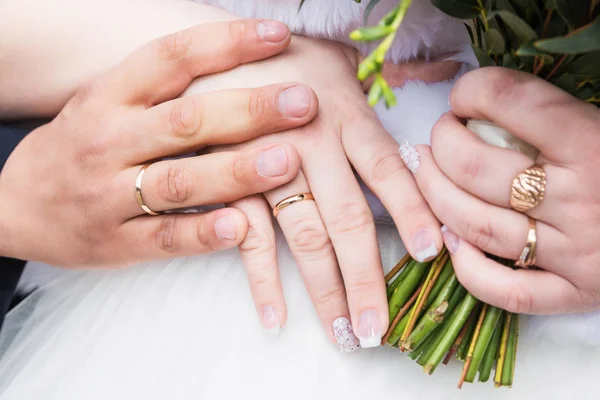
(50, 48)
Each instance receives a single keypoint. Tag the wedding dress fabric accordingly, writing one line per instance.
(187, 328)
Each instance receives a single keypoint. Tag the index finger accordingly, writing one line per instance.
(162, 69)
(555, 122)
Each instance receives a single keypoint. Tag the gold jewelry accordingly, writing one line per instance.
(138, 191)
(288, 201)
(527, 258)
(528, 189)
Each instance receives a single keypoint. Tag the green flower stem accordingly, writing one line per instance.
(502, 350)
(460, 338)
(406, 288)
(399, 323)
(463, 347)
(433, 317)
(508, 370)
(456, 321)
(447, 272)
(434, 273)
(457, 296)
(400, 267)
(485, 370)
(490, 323)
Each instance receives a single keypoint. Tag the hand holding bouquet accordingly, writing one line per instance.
(434, 318)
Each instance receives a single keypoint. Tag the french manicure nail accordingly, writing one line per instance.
(410, 156)
(270, 320)
(424, 245)
(370, 329)
(272, 162)
(225, 228)
(272, 31)
(344, 335)
(294, 101)
(451, 239)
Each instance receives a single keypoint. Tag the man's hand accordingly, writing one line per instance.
(67, 192)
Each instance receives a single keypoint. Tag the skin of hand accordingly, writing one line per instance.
(347, 133)
(333, 238)
(67, 191)
(467, 184)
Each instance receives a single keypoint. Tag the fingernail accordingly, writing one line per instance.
(410, 156)
(451, 239)
(424, 245)
(370, 329)
(272, 31)
(225, 228)
(294, 102)
(270, 320)
(272, 162)
(342, 330)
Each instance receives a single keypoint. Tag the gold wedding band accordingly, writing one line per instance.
(138, 191)
(288, 201)
(527, 258)
(528, 189)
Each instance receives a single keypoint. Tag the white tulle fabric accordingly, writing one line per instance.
(187, 329)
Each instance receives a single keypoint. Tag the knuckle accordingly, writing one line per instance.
(174, 46)
(258, 243)
(185, 118)
(168, 236)
(519, 300)
(386, 166)
(480, 234)
(238, 171)
(309, 237)
(257, 106)
(237, 32)
(351, 219)
(206, 236)
(261, 278)
(174, 184)
(330, 298)
(504, 87)
(364, 285)
(470, 167)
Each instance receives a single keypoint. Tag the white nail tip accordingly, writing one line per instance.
(410, 156)
(429, 252)
(370, 342)
(344, 335)
(273, 331)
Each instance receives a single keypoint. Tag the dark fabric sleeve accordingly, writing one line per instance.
(10, 269)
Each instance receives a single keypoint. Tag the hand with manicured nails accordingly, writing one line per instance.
(467, 183)
(67, 193)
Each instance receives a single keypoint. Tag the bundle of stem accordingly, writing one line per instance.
(434, 318)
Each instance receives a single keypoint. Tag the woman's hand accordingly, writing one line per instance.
(67, 192)
(468, 185)
(332, 238)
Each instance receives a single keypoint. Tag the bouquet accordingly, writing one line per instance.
(433, 318)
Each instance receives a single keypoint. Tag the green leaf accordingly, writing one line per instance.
(567, 83)
(583, 40)
(585, 67)
(483, 58)
(370, 34)
(508, 61)
(528, 50)
(520, 28)
(493, 42)
(463, 9)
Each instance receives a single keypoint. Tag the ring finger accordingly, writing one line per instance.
(309, 242)
(488, 171)
(493, 229)
(211, 178)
